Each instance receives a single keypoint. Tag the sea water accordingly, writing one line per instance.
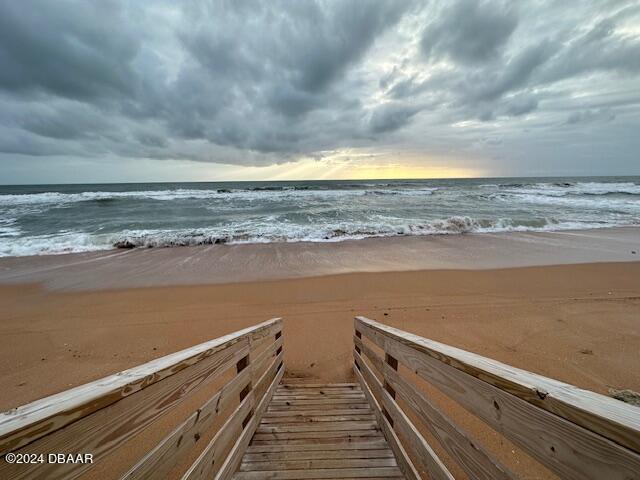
(45, 219)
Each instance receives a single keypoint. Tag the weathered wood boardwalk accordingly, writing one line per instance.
(251, 425)
(318, 431)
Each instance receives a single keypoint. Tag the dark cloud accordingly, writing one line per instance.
(74, 49)
(391, 116)
(259, 83)
(470, 31)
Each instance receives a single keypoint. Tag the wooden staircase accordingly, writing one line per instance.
(242, 422)
(318, 431)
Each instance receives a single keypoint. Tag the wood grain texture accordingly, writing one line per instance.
(175, 446)
(476, 462)
(235, 455)
(383, 472)
(571, 451)
(299, 464)
(108, 428)
(308, 419)
(25, 424)
(375, 444)
(210, 460)
(317, 454)
(415, 442)
(608, 417)
(331, 446)
(262, 360)
(404, 462)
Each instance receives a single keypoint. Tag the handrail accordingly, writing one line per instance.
(99, 416)
(575, 433)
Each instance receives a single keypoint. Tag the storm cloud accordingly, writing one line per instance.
(532, 87)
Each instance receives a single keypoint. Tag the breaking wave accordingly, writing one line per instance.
(68, 219)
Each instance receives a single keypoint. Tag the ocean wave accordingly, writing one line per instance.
(8, 227)
(255, 194)
(330, 233)
(561, 189)
(55, 244)
(266, 232)
(549, 189)
(62, 198)
(68, 221)
(590, 202)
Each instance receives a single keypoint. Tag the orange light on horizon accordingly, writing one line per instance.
(354, 168)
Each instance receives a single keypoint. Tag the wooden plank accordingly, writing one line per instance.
(316, 435)
(263, 359)
(296, 419)
(269, 351)
(404, 462)
(314, 455)
(22, 425)
(424, 454)
(569, 450)
(321, 473)
(209, 461)
(339, 406)
(363, 444)
(263, 384)
(317, 413)
(318, 427)
(469, 455)
(326, 388)
(235, 455)
(372, 436)
(256, 341)
(318, 392)
(289, 384)
(318, 464)
(323, 401)
(608, 417)
(353, 396)
(175, 446)
(108, 428)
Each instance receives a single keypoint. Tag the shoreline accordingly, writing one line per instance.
(84, 319)
(216, 264)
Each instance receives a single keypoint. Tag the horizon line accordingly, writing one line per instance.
(316, 180)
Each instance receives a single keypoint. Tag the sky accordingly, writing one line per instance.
(130, 91)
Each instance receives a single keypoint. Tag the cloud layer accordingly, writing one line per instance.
(529, 87)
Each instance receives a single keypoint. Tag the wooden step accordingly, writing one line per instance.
(315, 432)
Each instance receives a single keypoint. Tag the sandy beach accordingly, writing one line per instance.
(577, 322)
(344, 240)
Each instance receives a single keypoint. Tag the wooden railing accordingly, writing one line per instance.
(575, 433)
(98, 417)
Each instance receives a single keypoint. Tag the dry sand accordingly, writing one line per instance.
(576, 323)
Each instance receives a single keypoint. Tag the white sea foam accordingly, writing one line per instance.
(8, 227)
(52, 244)
(32, 223)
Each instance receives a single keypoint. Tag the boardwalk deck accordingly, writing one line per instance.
(315, 432)
(269, 430)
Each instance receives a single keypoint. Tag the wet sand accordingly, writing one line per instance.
(238, 263)
(579, 323)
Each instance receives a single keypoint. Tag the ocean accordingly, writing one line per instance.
(52, 219)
